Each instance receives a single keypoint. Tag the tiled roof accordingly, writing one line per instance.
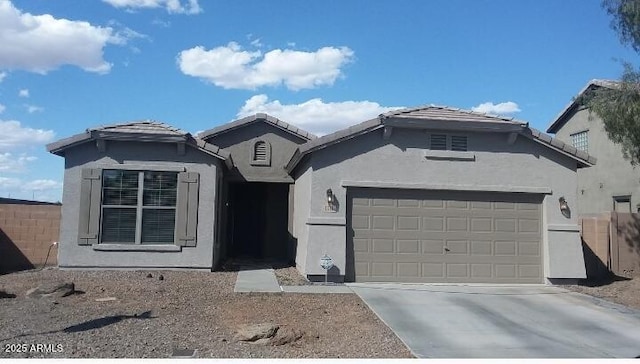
(305, 135)
(436, 112)
(141, 127)
(142, 131)
(420, 115)
(562, 117)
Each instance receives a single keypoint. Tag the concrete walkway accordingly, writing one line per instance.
(253, 279)
(256, 280)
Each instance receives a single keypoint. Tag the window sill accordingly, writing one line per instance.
(137, 248)
(449, 155)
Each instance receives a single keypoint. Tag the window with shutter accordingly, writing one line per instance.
(138, 207)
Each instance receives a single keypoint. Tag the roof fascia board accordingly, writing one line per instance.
(140, 137)
(59, 146)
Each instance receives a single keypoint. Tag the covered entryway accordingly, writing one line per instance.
(258, 221)
(397, 235)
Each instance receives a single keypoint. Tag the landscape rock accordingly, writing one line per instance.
(256, 332)
(287, 336)
(264, 341)
(52, 289)
(5, 294)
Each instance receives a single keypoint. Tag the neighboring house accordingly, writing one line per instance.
(431, 194)
(613, 184)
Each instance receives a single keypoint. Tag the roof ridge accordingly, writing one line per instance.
(453, 109)
(303, 134)
(153, 122)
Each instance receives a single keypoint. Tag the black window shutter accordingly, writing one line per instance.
(90, 199)
(187, 208)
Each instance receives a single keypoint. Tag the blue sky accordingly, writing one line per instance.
(67, 65)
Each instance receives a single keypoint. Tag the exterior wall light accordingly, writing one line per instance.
(332, 202)
(564, 207)
(330, 197)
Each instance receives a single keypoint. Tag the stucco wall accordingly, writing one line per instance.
(400, 161)
(611, 176)
(137, 154)
(239, 142)
(302, 203)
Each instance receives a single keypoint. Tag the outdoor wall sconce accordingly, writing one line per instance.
(564, 207)
(332, 203)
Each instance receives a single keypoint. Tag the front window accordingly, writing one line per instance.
(138, 207)
(580, 141)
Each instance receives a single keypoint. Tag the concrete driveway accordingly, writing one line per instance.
(443, 321)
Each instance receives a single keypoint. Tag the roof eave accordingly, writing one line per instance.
(563, 116)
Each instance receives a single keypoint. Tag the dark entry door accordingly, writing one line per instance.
(259, 220)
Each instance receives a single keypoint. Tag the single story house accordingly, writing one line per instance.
(429, 194)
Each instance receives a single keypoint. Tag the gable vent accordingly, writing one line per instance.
(459, 143)
(438, 142)
(260, 151)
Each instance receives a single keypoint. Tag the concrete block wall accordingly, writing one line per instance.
(27, 230)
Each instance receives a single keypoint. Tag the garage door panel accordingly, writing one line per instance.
(382, 269)
(408, 246)
(383, 222)
(360, 222)
(505, 270)
(457, 247)
(457, 270)
(382, 246)
(437, 236)
(409, 269)
(481, 270)
(432, 270)
(456, 224)
(409, 223)
(433, 223)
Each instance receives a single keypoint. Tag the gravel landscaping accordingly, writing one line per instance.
(621, 290)
(116, 314)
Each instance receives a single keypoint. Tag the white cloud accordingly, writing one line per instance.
(23, 93)
(508, 107)
(172, 6)
(14, 135)
(14, 163)
(315, 115)
(33, 108)
(2, 76)
(39, 189)
(41, 43)
(231, 67)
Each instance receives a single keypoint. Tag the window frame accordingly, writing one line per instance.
(139, 207)
(575, 135)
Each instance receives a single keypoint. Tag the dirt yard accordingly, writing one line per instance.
(622, 290)
(154, 316)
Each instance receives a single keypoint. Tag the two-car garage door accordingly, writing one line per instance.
(445, 236)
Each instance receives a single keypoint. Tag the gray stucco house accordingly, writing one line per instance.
(613, 184)
(430, 194)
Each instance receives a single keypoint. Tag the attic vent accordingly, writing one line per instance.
(459, 143)
(438, 142)
(261, 153)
